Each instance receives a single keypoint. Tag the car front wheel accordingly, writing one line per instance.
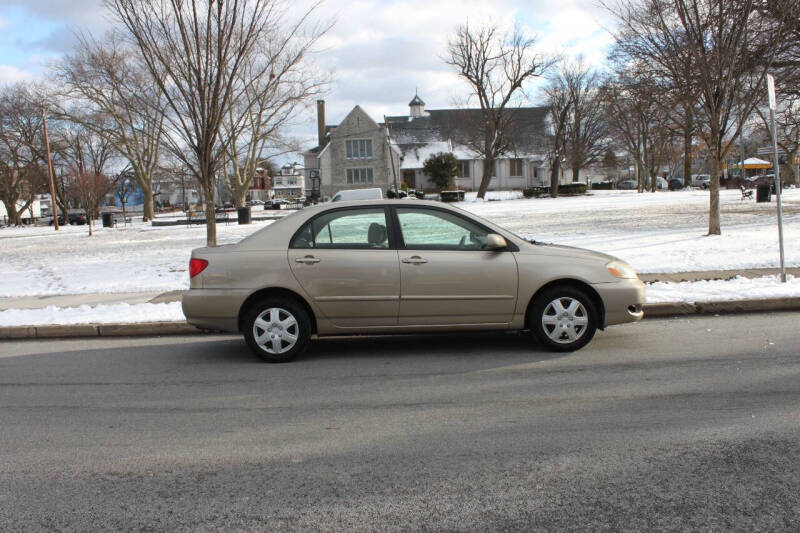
(277, 330)
(563, 319)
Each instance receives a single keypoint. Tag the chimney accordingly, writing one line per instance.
(321, 122)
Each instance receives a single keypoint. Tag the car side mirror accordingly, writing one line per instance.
(495, 242)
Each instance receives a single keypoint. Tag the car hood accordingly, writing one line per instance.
(568, 251)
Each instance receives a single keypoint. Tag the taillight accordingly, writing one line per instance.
(196, 266)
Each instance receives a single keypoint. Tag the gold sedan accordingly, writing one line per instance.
(391, 266)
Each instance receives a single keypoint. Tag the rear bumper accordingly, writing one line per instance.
(216, 309)
(623, 300)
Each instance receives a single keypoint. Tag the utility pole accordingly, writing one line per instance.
(391, 155)
(53, 209)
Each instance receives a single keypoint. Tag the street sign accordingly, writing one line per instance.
(772, 106)
(771, 91)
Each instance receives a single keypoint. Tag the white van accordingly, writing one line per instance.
(358, 194)
(701, 180)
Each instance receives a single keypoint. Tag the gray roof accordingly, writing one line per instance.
(526, 132)
(416, 101)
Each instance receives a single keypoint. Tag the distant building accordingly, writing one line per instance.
(361, 152)
(289, 182)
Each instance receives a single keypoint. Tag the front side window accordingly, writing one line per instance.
(357, 176)
(358, 148)
(428, 229)
(347, 228)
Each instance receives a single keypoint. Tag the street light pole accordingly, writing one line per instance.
(53, 209)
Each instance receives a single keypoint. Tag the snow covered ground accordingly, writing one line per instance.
(661, 232)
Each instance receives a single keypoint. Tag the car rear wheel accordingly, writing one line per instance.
(563, 319)
(277, 329)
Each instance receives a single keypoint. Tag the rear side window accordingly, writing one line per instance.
(343, 229)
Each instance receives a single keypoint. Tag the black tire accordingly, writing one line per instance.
(287, 307)
(545, 333)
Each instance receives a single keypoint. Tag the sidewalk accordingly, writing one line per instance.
(652, 310)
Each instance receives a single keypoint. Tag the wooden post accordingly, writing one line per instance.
(53, 207)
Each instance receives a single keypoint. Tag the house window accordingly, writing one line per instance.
(464, 168)
(358, 148)
(358, 176)
(278, 181)
(515, 167)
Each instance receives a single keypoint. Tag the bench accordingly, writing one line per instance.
(746, 193)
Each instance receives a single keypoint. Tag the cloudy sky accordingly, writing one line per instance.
(378, 51)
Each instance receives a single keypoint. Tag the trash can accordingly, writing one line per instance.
(108, 220)
(763, 193)
(243, 213)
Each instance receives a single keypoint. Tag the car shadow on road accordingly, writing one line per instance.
(463, 345)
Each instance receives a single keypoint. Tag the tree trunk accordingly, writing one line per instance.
(89, 220)
(576, 174)
(554, 171)
(148, 212)
(239, 196)
(488, 168)
(211, 216)
(687, 147)
(713, 207)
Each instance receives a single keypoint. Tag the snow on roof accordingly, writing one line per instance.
(414, 156)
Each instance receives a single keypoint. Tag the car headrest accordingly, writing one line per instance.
(376, 233)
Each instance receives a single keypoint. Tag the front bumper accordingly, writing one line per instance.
(216, 309)
(623, 300)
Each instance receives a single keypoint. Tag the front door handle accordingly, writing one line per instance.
(309, 260)
(414, 260)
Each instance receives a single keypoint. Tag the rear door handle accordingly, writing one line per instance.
(309, 260)
(414, 260)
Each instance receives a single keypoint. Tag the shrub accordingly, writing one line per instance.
(572, 188)
(603, 186)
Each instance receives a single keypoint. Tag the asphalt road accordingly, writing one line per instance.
(690, 423)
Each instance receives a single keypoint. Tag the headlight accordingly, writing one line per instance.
(621, 269)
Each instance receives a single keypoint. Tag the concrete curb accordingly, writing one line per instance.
(149, 329)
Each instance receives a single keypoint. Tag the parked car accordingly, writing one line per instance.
(336, 269)
(661, 184)
(627, 184)
(675, 184)
(357, 194)
(701, 180)
(76, 217)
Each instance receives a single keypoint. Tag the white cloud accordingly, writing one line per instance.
(3, 23)
(11, 74)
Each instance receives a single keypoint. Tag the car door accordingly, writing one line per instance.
(447, 276)
(345, 263)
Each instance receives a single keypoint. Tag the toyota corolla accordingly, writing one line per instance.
(389, 267)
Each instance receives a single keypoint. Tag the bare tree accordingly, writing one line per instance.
(640, 40)
(496, 66)
(108, 91)
(559, 105)
(587, 138)
(90, 189)
(728, 44)
(21, 142)
(639, 121)
(787, 126)
(196, 52)
(255, 123)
